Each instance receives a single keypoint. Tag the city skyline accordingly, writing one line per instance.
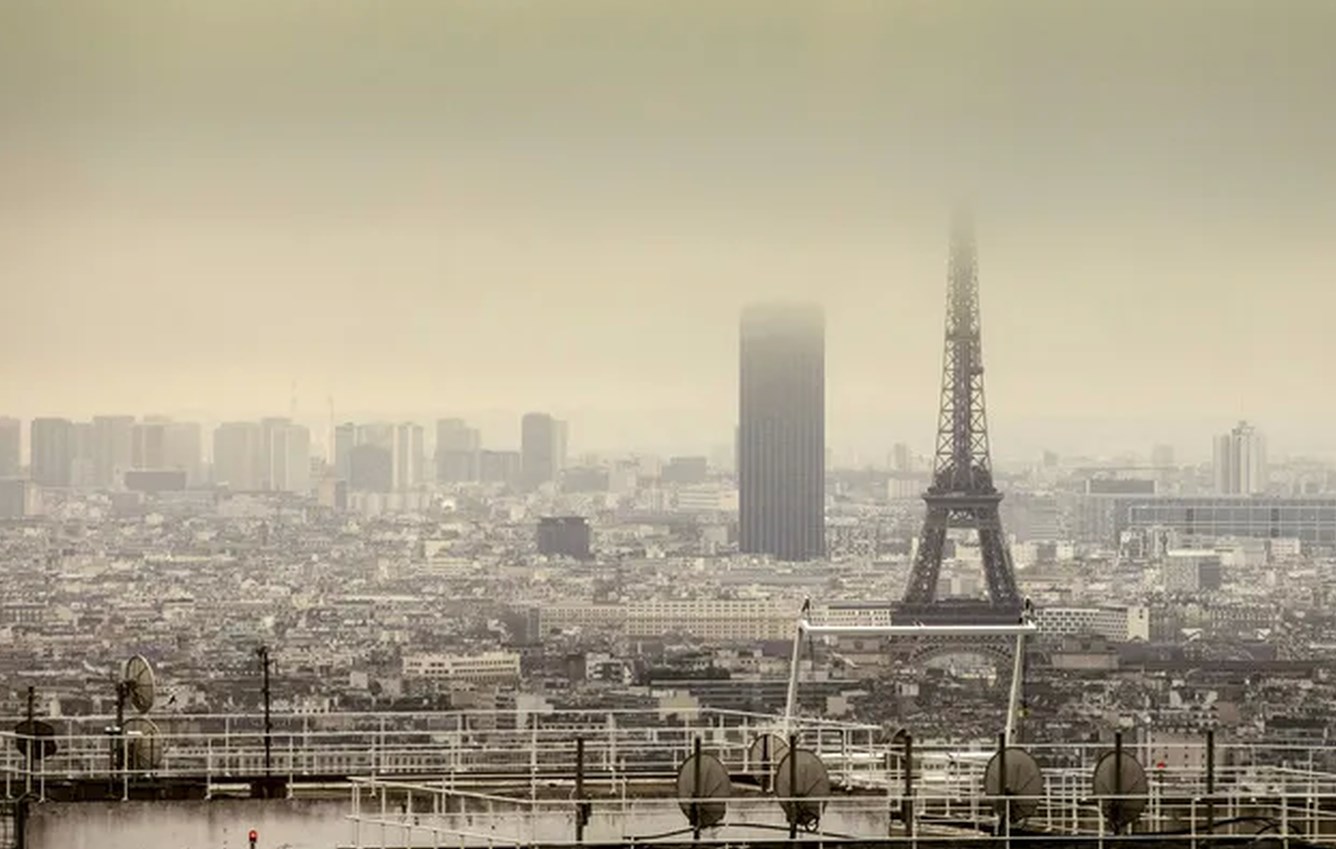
(1110, 200)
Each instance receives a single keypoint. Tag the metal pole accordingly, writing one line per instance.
(791, 703)
(1210, 781)
(793, 786)
(695, 793)
(1017, 678)
(31, 742)
(263, 653)
(1117, 806)
(765, 763)
(580, 811)
(907, 806)
(1002, 783)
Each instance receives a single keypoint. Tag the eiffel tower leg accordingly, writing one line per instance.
(922, 586)
(997, 564)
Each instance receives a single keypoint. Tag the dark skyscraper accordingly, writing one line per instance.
(782, 431)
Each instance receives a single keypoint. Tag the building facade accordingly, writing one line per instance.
(1310, 520)
(564, 536)
(11, 441)
(542, 448)
(458, 447)
(1117, 624)
(781, 431)
(1240, 461)
(52, 445)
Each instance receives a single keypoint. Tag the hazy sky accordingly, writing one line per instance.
(434, 207)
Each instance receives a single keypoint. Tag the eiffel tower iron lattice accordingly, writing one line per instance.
(962, 494)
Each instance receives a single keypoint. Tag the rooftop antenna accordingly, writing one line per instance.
(703, 777)
(1119, 783)
(138, 687)
(1013, 772)
(802, 785)
(764, 753)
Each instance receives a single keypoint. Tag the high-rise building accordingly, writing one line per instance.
(237, 456)
(160, 444)
(18, 498)
(781, 435)
(345, 439)
(287, 454)
(10, 446)
(1240, 461)
(112, 449)
(379, 434)
(148, 443)
(370, 468)
(499, 467)
(83, 466)
(408, 456)
(458, 449)
(542, 448)
(52, 442)
(902, 458)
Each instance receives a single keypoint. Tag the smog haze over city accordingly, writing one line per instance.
(530, 424)
(481, 208)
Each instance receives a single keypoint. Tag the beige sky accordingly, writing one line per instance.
(435, 207)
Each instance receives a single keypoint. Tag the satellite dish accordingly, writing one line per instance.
(1023, 779)
(765, 752)
(139, 685)
(802, 785)
(143, 745)
(1118, 774)
(33, 739)
(703, 777)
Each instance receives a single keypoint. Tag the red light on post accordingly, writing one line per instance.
(253, 836)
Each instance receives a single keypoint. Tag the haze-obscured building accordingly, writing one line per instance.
(781, 431)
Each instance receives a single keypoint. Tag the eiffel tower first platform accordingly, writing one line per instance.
(962, 494)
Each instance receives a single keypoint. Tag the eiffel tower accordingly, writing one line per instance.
(962, 494)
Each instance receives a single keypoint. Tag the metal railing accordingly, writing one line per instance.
(472, 746)
(389, 813)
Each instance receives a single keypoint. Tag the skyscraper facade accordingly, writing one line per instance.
(52, 443)
(1240, 461)
(10, 441)
(287, 452)
(237, 456)
(345, 439)
(112, 448)
(458, 450)
(781, 432)
(542, 448)
(409, 456)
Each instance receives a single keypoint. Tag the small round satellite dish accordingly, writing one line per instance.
(703, 777)
(143, 745)
(139, 681)
(34, 739)
(1120, 786)
(802, 785)
(765, 752)
(1023, 780)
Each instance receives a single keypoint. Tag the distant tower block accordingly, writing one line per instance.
(962, 494)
